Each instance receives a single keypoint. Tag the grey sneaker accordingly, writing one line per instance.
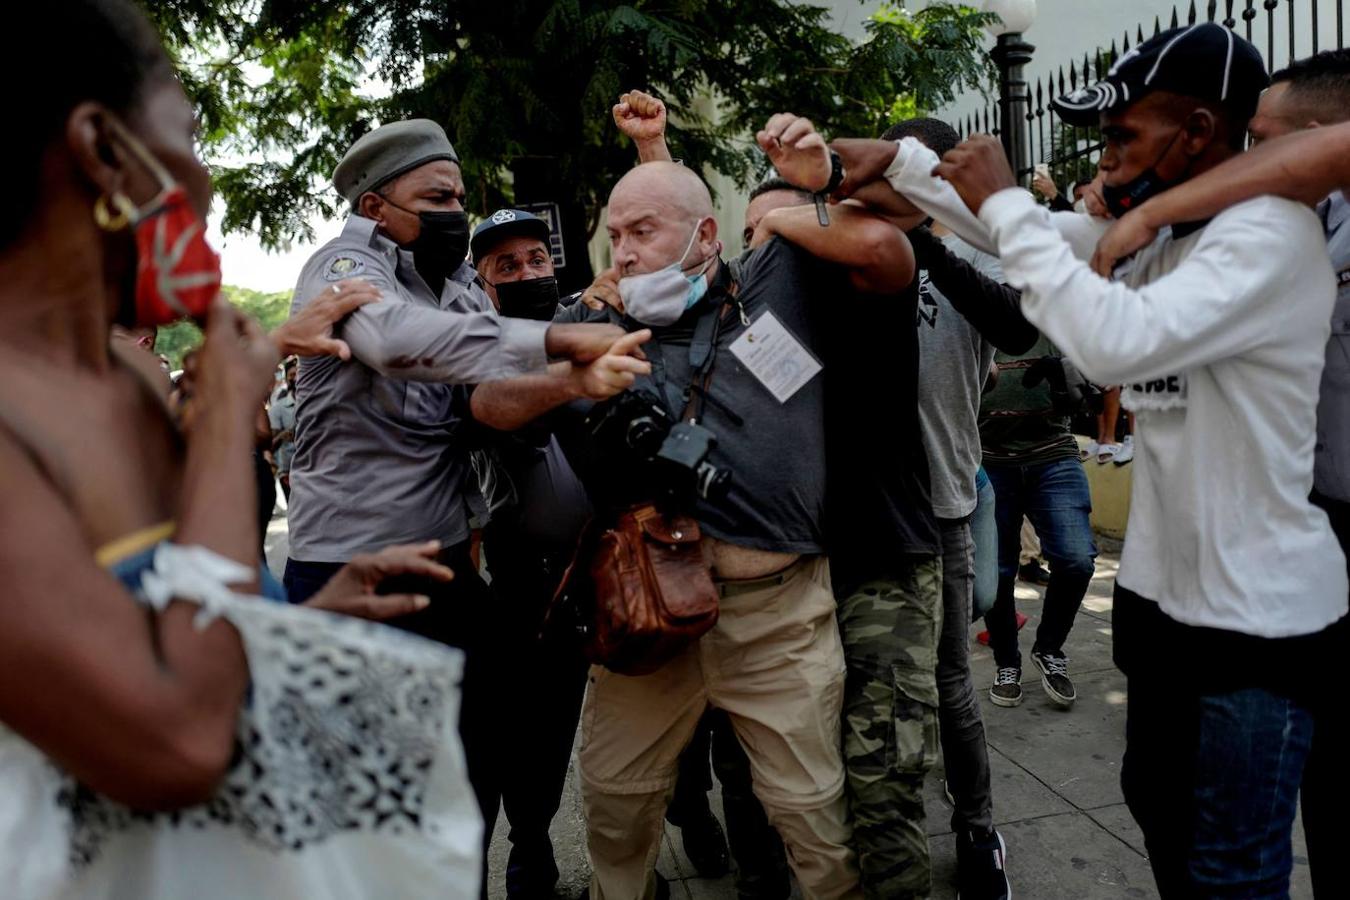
(1055, 677)
(1007, 687)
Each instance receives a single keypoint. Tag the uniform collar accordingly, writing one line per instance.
(362, 230)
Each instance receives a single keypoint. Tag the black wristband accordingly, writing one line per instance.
(836, 174)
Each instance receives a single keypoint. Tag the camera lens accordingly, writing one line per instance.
(644, 435)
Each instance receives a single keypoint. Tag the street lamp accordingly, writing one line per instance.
(1010, 54)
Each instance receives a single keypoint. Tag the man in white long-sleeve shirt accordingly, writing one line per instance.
(1228, 573)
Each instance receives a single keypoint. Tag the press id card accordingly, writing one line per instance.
(775, 357)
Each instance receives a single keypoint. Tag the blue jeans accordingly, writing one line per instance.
(1055, 497)
(984, 532)
(1212, 777)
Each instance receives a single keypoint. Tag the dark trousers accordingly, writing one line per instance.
(1211, 770)
(540, 689)
(460, 615)
(1326, 782)
(761, 862)
(965, 754)
(1055, 497)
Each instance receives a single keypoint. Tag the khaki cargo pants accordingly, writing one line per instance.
(775, 664)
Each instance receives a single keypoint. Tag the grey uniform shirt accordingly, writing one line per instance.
(377, 460)
(954, 362)
(1331, 456)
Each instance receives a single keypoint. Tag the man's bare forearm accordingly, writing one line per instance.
(875, 252)
(654, 150)
(1303, 166)
(516, 402)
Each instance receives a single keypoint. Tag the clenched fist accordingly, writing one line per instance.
(797, 151)
(640, 116)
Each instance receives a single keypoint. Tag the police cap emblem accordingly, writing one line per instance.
(503, 215)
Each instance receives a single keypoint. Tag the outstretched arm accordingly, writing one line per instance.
(994, 308)
(513, 403)
(1304, 166)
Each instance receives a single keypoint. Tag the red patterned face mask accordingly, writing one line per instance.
(177, 272)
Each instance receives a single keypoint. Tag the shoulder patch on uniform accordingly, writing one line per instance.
(340, 267)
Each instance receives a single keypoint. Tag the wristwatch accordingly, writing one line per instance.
(836, 179)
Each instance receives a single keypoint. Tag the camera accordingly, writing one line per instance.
(675, 454)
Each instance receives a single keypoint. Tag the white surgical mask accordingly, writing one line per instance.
(661, 297)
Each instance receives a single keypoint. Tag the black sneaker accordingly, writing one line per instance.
(979, 867)
(1007, 688)
(1055, 677)
(1033, 573)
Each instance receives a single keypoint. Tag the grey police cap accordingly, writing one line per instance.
(388, 152)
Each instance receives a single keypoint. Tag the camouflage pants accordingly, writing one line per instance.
(890, 633)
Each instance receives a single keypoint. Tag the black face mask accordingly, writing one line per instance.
(1122, 198)
(442, 245)
(533, 298)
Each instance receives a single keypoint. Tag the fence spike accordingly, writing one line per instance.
(1175, 22)
(1191, 15)
(1157, 27)
(1314, 27)
(1073, 77)
(1213, 9)
(1087, 72)
(1125, 46)
(1229, 22)
(1111, 60)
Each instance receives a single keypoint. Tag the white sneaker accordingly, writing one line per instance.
(1088, 451)
(1126, 451)
(1106, 453)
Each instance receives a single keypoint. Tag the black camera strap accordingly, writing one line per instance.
(703, 352)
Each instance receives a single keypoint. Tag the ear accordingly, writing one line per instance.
(371, 206)
(707, 231)
(1201, 130)
(102, 162)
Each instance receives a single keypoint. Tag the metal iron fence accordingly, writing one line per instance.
(1301, 29)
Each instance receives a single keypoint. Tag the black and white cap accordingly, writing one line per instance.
(1206, 61)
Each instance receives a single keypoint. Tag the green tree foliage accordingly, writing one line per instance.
(278, 85)
(270, 309)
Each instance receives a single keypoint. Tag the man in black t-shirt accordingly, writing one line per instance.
(884, 556)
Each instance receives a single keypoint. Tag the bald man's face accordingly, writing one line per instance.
(653, 213)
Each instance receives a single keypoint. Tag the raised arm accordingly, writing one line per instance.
(139, 706)
(1304, 166)
(875, 252)
(643, 118)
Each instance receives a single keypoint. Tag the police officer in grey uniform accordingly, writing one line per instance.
(379, 456)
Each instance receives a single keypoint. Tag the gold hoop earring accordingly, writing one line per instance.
(106, 219)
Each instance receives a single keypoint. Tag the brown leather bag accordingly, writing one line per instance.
(653, 592)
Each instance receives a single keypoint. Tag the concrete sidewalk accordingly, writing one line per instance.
(1056, 779)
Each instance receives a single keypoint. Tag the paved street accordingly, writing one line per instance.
(1056, 783)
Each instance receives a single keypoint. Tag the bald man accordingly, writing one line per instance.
(774, 661)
